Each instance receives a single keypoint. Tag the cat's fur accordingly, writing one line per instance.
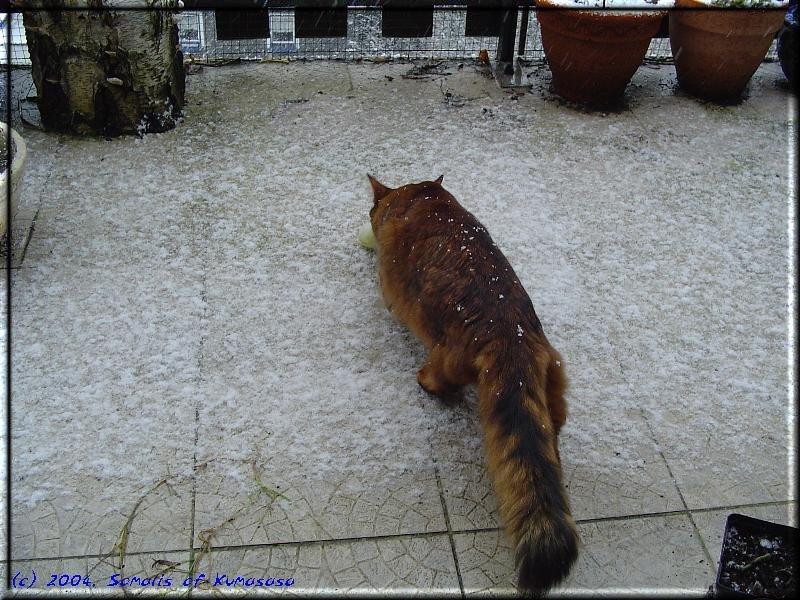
(443, 277)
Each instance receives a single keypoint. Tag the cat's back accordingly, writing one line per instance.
(446, 250)
(430, 211)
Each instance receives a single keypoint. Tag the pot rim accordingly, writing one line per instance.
(614, 9)
(733, 4)
(17, 169)
(644, 5)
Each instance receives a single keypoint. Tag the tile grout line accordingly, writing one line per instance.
(29, 235)
(417, 534)
(200, 361)
(32, 229)
(446, 514)
(686, 511)
(193, 498)
(667, 513)
(711, 560)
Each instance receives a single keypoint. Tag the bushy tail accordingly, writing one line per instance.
(521, 446)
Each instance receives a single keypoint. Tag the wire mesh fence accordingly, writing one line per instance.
(448, 38)
(364, 37)
(19, 46)
(273, 34)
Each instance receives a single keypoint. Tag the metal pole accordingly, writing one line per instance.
(523, 29)
(508, 32)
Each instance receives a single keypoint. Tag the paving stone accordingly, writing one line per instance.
(193, 308)
(648, 555)
(405, 565)
(132, 575)
(103, 411)
(711, 523)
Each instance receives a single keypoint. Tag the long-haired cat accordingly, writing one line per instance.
(446, 280)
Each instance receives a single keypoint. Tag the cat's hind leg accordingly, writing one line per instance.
(438, 378)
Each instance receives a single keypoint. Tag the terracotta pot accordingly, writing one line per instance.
(717, 50)
(593, 54)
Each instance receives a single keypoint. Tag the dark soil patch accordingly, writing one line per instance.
(758, 560)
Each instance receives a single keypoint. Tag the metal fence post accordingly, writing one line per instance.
(523, 28)
(508, 32)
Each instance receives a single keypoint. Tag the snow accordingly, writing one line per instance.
(201, 296)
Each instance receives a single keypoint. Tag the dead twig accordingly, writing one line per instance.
(425, 71)
(755, 561)
(216, 62)
(263, 488)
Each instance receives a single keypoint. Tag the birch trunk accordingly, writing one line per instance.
(106, 71)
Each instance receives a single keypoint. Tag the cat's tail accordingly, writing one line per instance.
(522, 409)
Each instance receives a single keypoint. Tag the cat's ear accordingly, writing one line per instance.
(439, 181)
(378, 189)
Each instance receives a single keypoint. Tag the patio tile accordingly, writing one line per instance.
(776, 107)
(606, 446)
(31, 191)
(98, 358)
(611, 466)
(220, 304)
(648, 554)
(410, 566)
(672, 278)
(302, 399)
(21, 229)
(653, 212)
(698, 370)
(213, 102)
(94, 214)
(706, 451)
(101, 517)
(375, 503)
(93, 576)
(355, 465)
(711, 523)
(103, 330)
(3, 414)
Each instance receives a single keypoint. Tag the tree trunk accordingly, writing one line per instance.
(105, 71)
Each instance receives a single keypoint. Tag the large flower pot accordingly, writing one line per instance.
(18, 157)
(716, 49)
(593, 54)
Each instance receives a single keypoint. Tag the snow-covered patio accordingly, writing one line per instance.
(205, 379)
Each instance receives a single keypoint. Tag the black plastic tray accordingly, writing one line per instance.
(738, 527)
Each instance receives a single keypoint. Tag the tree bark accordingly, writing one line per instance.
(105, 70)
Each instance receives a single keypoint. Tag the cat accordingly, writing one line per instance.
(448, 282)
